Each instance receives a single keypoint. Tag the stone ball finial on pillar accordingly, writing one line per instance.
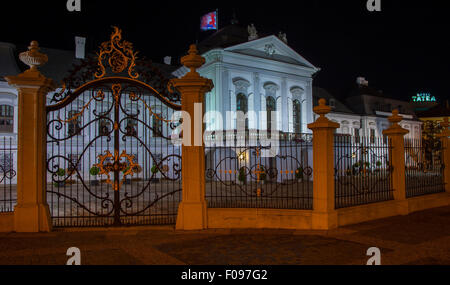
(192, 61)
(395, 128)
(33, 58)
(322, 109)
(322, 121)
(395, 118)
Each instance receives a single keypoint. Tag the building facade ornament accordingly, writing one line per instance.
(241, 84)
(297, 91)
(271, 87)
(214, 56)
(282, 36)
(269, 49)
(252, 33)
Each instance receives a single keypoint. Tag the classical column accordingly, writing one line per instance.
(445, 144)
(192, 209)
(225, 97)
(307, 104)
(284, 107)
(324, 214)
(31, 214)
(396, 134)
(257, 100)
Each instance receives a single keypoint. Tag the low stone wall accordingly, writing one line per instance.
(299, 219)
(7, 222)
(303, 219)
(428, 201)
(259, 218)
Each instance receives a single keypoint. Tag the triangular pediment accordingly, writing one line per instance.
(271, 48)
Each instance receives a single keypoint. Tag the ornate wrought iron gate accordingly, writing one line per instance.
(111, 160)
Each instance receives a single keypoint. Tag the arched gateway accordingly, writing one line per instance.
(110, 158)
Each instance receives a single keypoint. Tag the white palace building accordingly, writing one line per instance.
(250, 73)
(265, 74)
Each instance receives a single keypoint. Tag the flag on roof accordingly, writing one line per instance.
(209, 21)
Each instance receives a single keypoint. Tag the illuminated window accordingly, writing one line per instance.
(297, 118)
(6, 118)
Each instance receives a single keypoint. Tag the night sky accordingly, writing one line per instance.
(402, 50)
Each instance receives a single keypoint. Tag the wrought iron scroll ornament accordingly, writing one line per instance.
(117, 165)
(118, 54)
(116, 57)
(4, 173)
(104, 85)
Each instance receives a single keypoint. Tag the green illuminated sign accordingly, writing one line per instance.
(423, 97)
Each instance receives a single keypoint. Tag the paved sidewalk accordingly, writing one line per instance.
(419, 238)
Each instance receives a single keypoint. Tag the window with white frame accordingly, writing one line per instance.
(74, 125)
(157, 125)
(6, 162)
(372, 135)
(6, 118)
(242, 105)
(297, 116)
(271, 106)
(104, 126)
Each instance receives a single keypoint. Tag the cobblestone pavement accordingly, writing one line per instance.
(417, 239)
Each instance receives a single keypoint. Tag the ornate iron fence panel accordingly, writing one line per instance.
(362, 171)
(424, 167)
(8, 174)
(110, 159)
(249, 176)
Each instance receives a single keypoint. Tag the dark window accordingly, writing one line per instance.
(74, 159)
(74, 126)
(157, 125)
(270, 106)
(297, 118)
(357, 135)
(242, 105)
(104, 127)
(6, 162)
(372, 135)
(6, 118)
(332, 103)
(131, 127)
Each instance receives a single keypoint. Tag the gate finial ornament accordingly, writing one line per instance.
(33, 57)
(322, 109)
(192, 61)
